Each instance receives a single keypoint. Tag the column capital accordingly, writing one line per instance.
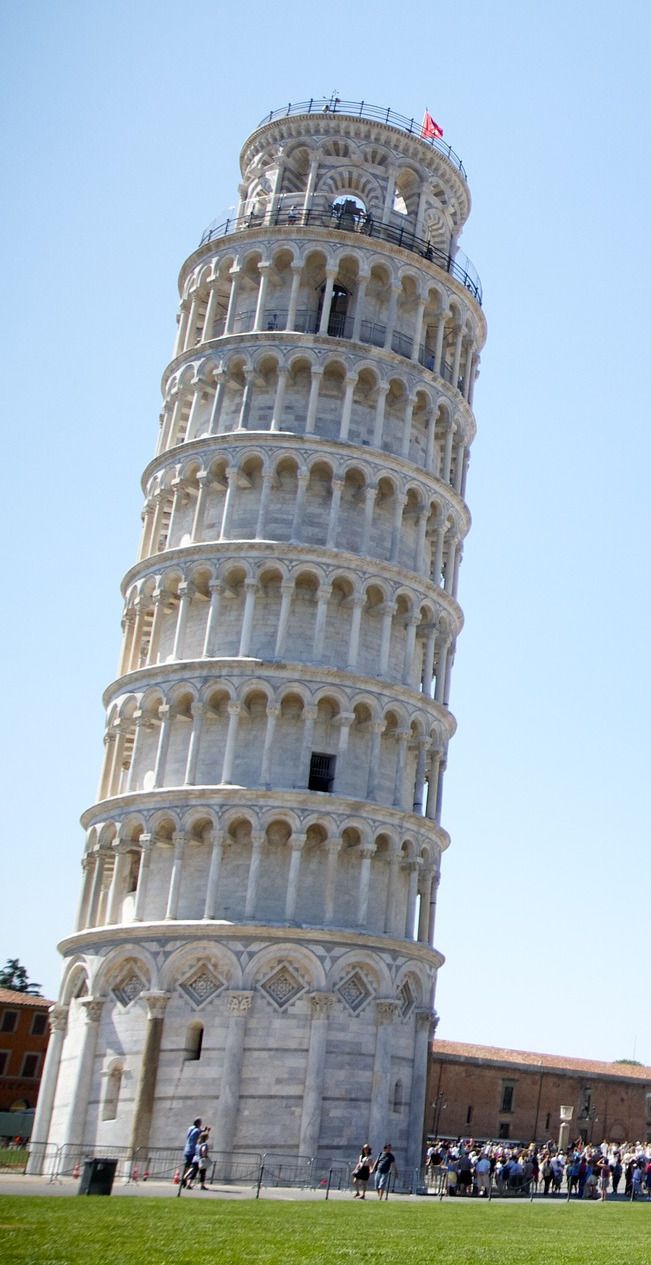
(386, 1011)
(234, 709)
(321, 1005)
(366, 851)
(333, 846)
(297, 842)
(156, 1003)
(92, 1008)
(425, 1018)
(239, 1003)
(57, 1018)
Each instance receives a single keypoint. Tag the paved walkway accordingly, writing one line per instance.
(19, 1184)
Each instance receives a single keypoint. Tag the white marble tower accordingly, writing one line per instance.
(255, 932)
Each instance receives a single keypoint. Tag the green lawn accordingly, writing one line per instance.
(90, 1231)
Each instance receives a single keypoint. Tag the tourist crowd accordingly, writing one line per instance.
(585, 1171)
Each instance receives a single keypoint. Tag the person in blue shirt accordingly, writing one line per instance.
(189, 1151)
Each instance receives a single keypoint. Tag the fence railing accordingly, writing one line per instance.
(336, 217)
(306, 321)
(364, 110)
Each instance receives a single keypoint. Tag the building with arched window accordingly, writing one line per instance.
(255, 933)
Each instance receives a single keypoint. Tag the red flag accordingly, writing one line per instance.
(430, 128)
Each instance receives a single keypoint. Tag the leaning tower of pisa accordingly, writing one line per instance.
(254, 941)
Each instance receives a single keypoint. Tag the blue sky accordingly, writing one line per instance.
(121, 130)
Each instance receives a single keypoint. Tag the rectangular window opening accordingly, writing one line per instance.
(508, 1090)
(39, 1025)
(30, 1066)
(9, 1021)
(322, 772)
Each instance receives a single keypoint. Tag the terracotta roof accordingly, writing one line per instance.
(525, 1058)
(9, 997)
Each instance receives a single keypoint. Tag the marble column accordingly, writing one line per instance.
(297, 843)
(423, 1022)
(257, 842)
(238, 1005)
(366, 852)
(324, 595)
(320, 1007)
(378, 1128)
(146, 844)
(143, 1108)
(212, 886)
(333, 520)
(263, 505)
(165, 715)
(273, 712)
(234, 710)
(88, 869)
(333, 847)
(122, 852)
(91, 1009)
(198, 716)
(412, 868)
(286, 591)
(58, 1020)
(179, 839)
(313, 400)
(216, 590)
(377, 729)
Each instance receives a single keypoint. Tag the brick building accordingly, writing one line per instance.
(24, 1036)
(484, 1092)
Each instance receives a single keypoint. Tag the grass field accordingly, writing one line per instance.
(90, 1231)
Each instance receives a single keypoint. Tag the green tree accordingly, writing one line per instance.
(14, 975)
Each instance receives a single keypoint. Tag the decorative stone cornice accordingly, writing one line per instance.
(171, 934)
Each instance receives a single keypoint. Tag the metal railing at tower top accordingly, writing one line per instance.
(334, 217)
(362, 110)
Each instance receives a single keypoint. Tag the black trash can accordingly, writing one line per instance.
(97, 1177)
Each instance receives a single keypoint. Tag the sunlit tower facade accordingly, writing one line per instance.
(255, 933)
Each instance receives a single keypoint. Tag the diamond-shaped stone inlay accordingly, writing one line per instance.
(201, 986)
(406, 998)
(354, 991)
(283, 987)
(128, 989)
